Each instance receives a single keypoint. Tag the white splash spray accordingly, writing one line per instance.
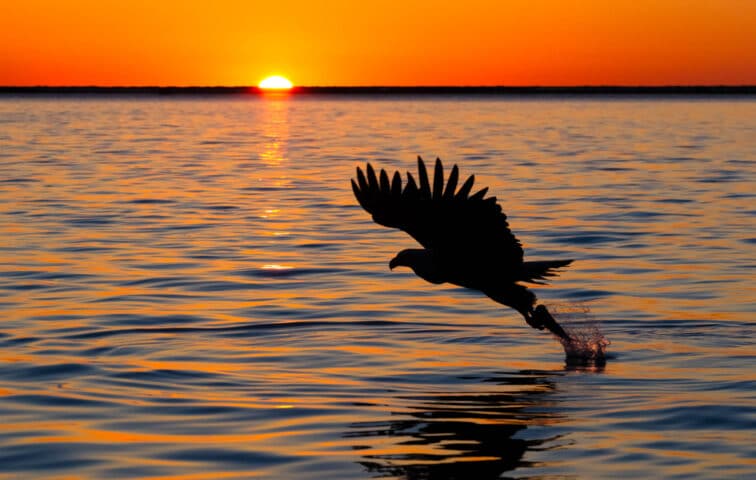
(587, 344)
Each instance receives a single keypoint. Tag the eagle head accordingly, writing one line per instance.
(408, 258)
(420, 261)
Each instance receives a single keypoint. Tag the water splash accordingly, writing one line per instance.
(587, 344)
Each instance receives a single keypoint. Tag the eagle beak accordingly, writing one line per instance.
(394, 263)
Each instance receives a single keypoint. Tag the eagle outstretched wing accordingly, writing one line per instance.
(440, 216)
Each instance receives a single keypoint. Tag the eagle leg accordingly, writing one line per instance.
(541, 318)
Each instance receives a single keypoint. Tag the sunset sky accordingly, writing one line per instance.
(473, 42)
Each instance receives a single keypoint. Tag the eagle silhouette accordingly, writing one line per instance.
(466, 238)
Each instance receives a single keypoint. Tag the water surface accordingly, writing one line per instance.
(189, 290)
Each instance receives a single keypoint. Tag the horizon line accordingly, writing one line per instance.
(384, 89)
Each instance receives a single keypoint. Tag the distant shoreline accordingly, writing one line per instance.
(389, 90)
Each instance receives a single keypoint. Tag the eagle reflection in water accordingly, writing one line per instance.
(461, 435)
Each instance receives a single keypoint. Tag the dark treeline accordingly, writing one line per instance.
(377, 90)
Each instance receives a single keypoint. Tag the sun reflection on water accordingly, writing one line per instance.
(275, 131)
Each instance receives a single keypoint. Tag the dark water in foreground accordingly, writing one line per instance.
(189, 290)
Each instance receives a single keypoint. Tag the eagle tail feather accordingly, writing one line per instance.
(539, 271)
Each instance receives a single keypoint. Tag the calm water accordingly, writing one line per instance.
(189, 290)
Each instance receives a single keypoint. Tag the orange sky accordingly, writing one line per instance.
(471, 42)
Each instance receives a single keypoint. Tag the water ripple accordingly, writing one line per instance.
(189, 290)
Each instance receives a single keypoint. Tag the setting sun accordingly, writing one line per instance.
(276, 82)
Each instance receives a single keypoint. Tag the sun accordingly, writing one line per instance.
(276, 82)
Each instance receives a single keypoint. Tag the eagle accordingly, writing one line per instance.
(466, 238)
